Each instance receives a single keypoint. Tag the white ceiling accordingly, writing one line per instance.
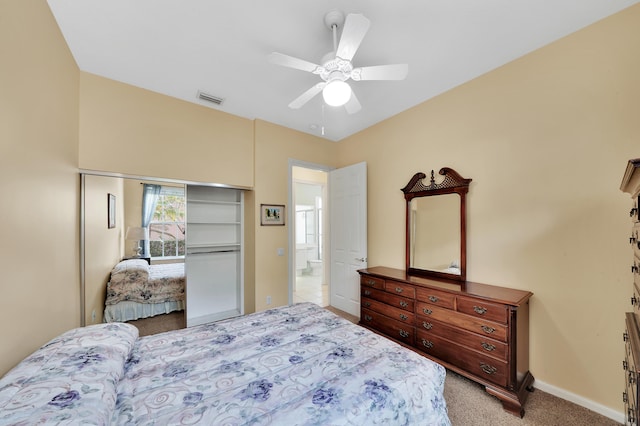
(180, 47)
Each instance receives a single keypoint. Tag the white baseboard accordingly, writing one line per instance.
(581, 401)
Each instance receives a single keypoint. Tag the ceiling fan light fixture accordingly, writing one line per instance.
(336, 93)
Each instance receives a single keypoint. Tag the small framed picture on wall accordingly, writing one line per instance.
(272, 214)
(111, 211)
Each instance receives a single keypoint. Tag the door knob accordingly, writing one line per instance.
(361, 259)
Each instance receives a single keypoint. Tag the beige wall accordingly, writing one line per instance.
(38, 180)
(121, 125)
(132, 210)
(545, 140)
(104, 246)
(274, 147)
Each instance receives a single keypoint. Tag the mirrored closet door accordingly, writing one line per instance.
(134, 229)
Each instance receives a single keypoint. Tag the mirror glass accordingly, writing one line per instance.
(434, 226)
(111, 205)
(436, 244)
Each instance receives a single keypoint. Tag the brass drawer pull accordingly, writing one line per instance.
(368, 318)
(625, 365)
(625, 336)
(480, 310)
(434, 299)
(367, 293)
(399, 289)
(370, 282)
(367, 304)
(427, 311)
(427, 325)
(404, 334)
(488, 347)
(403, 317)
(632, 378)
(487, 329)
(403, 304)
(489, 369)
(624, 397)
(427, 343)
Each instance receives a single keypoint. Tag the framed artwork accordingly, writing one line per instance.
(111, 211)
(272, 214)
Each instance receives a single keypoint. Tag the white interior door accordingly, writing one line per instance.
(348, 223)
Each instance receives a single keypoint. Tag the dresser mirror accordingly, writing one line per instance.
(436, 243)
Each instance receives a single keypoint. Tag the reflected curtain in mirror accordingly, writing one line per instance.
(150, 195)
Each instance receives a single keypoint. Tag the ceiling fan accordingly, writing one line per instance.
(336, 66)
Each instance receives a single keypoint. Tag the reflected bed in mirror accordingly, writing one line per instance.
(436, 226)
(116, 285)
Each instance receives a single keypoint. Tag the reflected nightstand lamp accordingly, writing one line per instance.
(136, 233)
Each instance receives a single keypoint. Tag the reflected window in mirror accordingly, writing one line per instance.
(164, 213)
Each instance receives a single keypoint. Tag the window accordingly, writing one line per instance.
(167, 227)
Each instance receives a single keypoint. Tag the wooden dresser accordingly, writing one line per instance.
(477, 330)
(631, 363)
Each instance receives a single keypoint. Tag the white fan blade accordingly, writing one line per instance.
(353, 105)
(306, 96)
(355, 27)
(291, 62)
(381, 72)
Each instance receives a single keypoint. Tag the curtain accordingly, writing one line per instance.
(150, 195)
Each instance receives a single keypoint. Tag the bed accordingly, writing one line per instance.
(137, 289)
(295, 365)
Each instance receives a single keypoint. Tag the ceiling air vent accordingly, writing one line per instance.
(210, 98)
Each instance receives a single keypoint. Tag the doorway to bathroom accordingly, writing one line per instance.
(309, 191)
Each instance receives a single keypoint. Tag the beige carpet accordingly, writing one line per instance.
(160, 323)
(467, 402)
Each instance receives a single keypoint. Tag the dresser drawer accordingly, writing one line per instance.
(400, 289)
(482, 309)
(482, 344)
(368, 281)
(486, 367)
(477, 325)
(394, 313)
(392, 328)
(388, 298)
(435, 297)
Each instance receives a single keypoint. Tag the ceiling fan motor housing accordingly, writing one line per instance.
(334, 18)
(334, 69)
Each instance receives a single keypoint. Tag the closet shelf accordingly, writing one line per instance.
(229, 203)
(211, 245)
(211, 223)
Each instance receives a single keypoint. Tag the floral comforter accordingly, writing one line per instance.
(136, 281)
(298, 365)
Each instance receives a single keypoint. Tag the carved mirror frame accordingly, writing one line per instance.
(452, 183)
